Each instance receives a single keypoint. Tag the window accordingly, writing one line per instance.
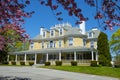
(42, 44)
(47, 45)
(59, 43)
(60, 31)
(90, 34)
(52, 33)
(84, 42)
(70, 39)
(31, 45)
(92, 44)
(54, 44)
(51, 44)
(44, 34)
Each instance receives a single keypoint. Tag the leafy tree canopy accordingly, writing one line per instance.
(115, 42)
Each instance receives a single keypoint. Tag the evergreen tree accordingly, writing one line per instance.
(103, 50)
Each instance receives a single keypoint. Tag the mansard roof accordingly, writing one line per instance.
(70, 31)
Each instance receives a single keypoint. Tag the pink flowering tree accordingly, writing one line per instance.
(107, 11)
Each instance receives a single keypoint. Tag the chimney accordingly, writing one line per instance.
(41, 30)
(82, 27)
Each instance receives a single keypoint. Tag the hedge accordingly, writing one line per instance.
(13, 63)
(47, 63)
(31, 63)
(73, 63)
(22, 63)
(58, 63)
(93, 64)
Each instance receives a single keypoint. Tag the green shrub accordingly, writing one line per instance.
(47, 63)
(22, 63)
(58, 63)
(117, 61)
(73, 63)
(5, 62)
(13, 63)
(117, 64)
(31, 63)
(93, 64)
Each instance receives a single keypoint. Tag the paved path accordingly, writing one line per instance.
(47, 74)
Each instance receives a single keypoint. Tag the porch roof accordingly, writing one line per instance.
(55, 50)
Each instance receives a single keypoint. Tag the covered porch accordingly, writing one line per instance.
(66, 55)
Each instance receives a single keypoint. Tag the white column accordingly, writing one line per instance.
(74, 55)
(8, 58)
(96, 56)
(16, 58)
(35, 58)
(47, 57)
(92, 55)
(25, 58)
(59, 55)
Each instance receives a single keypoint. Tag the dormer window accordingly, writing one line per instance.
(60, 31)
(52, 33)
(90, 34)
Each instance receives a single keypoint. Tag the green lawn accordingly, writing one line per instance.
(103, 71)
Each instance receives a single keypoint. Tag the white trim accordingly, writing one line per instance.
(16, 58)
(47, 57)
(59, 55)
(74, 55)
(25, 58)
(53, 33)
(96, 56)
(35, 59)
(62, 31)
(92, 55)
(91, 34)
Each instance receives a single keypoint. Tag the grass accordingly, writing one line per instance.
(102, 71)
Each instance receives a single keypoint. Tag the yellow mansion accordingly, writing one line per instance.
(64, 43)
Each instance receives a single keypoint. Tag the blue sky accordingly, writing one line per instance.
(44, 17)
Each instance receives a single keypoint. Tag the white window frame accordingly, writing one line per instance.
(60, 43)
(31, 45)
(51, 33)
(60, 30)
(69, 41)
(84, 42)
(91, 35)
(54, 44)
(44, 34)
(92, 44)
(47, 46)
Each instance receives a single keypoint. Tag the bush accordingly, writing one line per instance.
(13, 63)
(117, 64)
(47, 63)
(5, 62)
(73, 63)
(31, 63)
(22, 63)
(93, 64)
(58, 63)
(117, 61)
